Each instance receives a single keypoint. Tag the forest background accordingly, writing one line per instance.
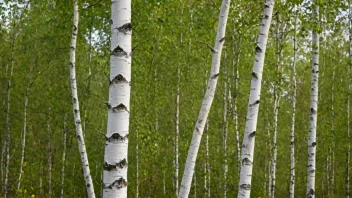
(34, 59)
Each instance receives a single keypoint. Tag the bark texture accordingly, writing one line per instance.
(116, 146)
(247, 155)
(75, 103)
(313, 111)
(207, 101)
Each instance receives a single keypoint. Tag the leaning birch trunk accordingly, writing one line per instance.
(24, 133)
(292, 136)
(177, 128)
(75, 103)
(313, 115)
(63, 160)
(207, 101)
(115, 158)
(247, 154)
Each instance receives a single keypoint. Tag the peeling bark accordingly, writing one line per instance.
(116, 147)
(206, 104)
(75, 104)
(247, 155)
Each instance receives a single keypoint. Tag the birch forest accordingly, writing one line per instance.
(175, 98)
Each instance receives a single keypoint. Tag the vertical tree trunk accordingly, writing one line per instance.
(235, 117)
(224, 137)
(348, 155)
(247, 155)
(137, 165)
(49, 160)
(24, 131)
(207, 101)
(3, 149)
(116, 149)
(8, 131)
(207, 158)
(75, 103)
(313, 115)
(292, 136)
(63, 160)
(177, 127)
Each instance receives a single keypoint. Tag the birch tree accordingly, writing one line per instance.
(116, 147)
(75, 103)
(206, 103)
(292, 134)
(313, 113)
(247, 154)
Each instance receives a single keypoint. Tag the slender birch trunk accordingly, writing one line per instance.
(3, 149)
(8, 130)
(24, 131)
(137, 165)
(177, 132)
(274, 157)
(63, 160)
(207, 101)
(75, 103)
(235, 118)
(292, 136)
(115, 158)
(253, 104)
(207, 176)
(49, 159)
(313, 115)
(348, 155)
(224, 137)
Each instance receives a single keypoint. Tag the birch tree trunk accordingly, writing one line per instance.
(292, 136)
(313, 113)
(8, 131)
(49, 159)
(75, 103)
(224, 138)
(63, 160)
(247, 154)
(348, 165)
(115, 158)
(24, 131)
(207, 101)
(177, 132)
(137, 165)
(235, 118)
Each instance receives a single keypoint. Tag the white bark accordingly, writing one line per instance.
(49, 160)
(235, 118)
(313, 115)
(63, 160)
(207, 101)
(177, 132)
(24, 132)
(292, 136)
(75, 103)
(8, 130)
(115, 158)
(247, 154)
(137, 165)
(348, 165)
(224, 138)
(207, 176)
